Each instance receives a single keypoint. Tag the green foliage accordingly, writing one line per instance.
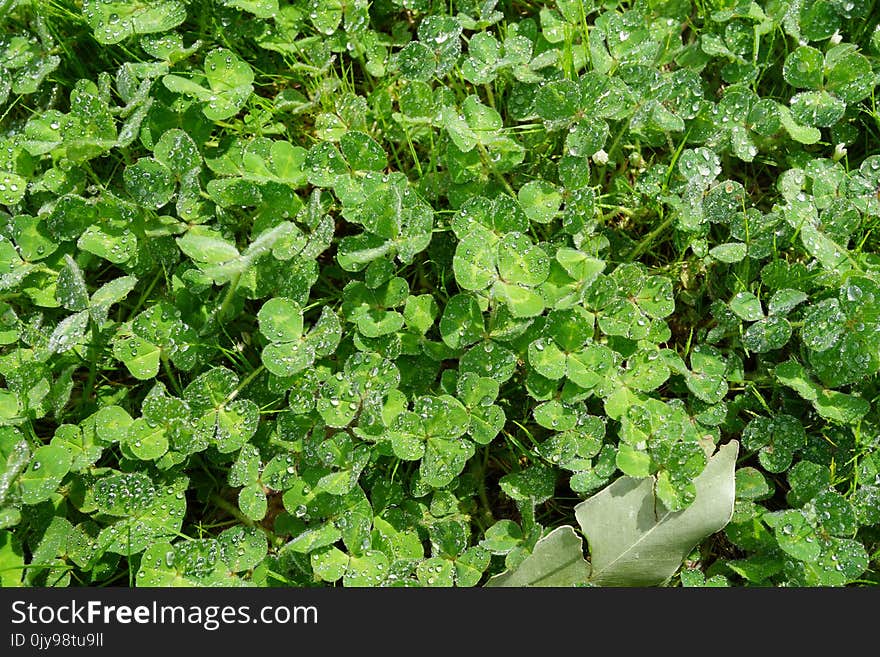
(385, 293)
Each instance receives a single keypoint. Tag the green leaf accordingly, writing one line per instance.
(70, 290)
(835, 513)
(502, 537)
(806, 480)
(113, 22)
(707, 378)
(81, 445)
(699, 166)
(784, 300)
(112, 242)
(848, 73)
(252, 502)
(490, 359)
(362, 152)
(474, 260)
(547, 359)
(48, 466)
(259, 8)
(160, 520)
(149, 182)
(416, 62)
(776, 439)
(804, 68)
(242, 548)
(314, 538)
(540, 200)
(11, 560)
(767, 334)
(751, 484)
(442, 416)
(746, 306)
(230, 80)
(444, 460)
(69, 332)
(729, 252)
(109, 294)
(112, 423)
(554, 415)
(367, 570)
(655, 297)
(280, 320)
(329, 563)
(124, 494)
(436, 571)
(178, 152)
(470, 566)
(817, 108)
(536, 484)
(843, 561)
(147, 442)
(588, 367)
(850, 323)
(442, 34)
(520, 300)
(802, 134)
(795, 535)
(500, 215)
(221, 419)
(520, 261)
(558, 100)
(140, 356)
(12, 188)
(634, 541)
(205, 245)
(831, 404)
(420, 312)
(32, 238)
(633, 462)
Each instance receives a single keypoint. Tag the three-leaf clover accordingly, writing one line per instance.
(230, 84)
(290, 349)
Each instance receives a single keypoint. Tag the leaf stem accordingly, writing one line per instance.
(648, 239)
(227, 300)
(93, 366)
(485, 505)
(487, 161)
(241, 386)
(490, 97)
(169, 373)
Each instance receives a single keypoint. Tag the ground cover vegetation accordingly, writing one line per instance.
(439, 293)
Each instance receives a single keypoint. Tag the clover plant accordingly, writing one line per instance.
(423, 293)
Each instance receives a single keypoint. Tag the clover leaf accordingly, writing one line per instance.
(48, 466)
(777, 439)
(831, 404)
(511, 265)
(142, 522)
(707, 378)
(436, 51)
(220, 419)
(230, 84)
(842, 330)
(433, 432)
(157, 332)
(478, 393)
(113, 22)
(199, 562)
(290, 350)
